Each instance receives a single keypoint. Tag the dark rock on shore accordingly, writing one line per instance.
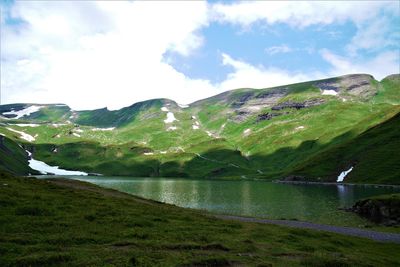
(383, 209)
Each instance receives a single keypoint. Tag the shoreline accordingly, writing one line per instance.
(333, 183)
(47, 176)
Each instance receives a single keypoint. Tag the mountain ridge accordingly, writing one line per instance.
(253, 133)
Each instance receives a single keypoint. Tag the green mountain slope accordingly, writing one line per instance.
(374, 155)
(255, 133)
(13, 158)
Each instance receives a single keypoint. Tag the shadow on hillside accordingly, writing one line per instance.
(310, 159)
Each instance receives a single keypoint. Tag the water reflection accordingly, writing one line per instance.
(345, 195)
(246, 201)
(318, 203)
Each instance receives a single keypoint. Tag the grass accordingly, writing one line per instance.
(13, 158)
(70, 223)
(365, 152)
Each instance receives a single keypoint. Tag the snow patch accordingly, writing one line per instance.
(103, 129)
(329, 92)
(210, 134)
(299, 127)
(196, 125)
(23, 135)
(148, 153)
(43, 168)
(163, 152)
(75, 134)
(23, 112)
(343, 175)
(247, 131)
(79, 130)
(172, 128)
(170, 118)
(183, 106)
(255, 108)
(25, 124)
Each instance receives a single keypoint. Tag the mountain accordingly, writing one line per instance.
(309, 131)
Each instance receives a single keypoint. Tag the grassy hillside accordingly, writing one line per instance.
(374, 155)
(13, 158)
(258, 133)
(70, 223)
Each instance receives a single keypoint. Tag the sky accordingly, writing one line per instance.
(94, 54)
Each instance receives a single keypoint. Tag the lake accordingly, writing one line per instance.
(315, 203)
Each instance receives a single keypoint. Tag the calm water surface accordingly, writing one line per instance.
(316, 203)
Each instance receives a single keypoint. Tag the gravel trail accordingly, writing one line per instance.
(377, 236)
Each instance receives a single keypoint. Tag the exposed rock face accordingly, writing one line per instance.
(268, 116)
(242, 100)
(241, 115)
(265, 98)
(384, 211)
(251, 103)
(355, 84)
(273, 94)
(298, 105)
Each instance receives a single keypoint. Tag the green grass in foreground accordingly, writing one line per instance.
(70, 223)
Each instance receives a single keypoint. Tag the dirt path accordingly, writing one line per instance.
(377, 236)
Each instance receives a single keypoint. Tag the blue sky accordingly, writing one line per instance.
(274, 46)
(124, 52)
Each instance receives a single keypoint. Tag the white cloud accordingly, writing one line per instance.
(93, 54)
(374, 35)
(300, 13)
(380, 66)
(246, 75)
(278, 49)
(374, 30)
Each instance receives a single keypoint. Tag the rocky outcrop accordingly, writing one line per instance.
(298, 105)
(385, 210)
(355, 84)
(268, 116)
(241, 115)
(242, 100)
